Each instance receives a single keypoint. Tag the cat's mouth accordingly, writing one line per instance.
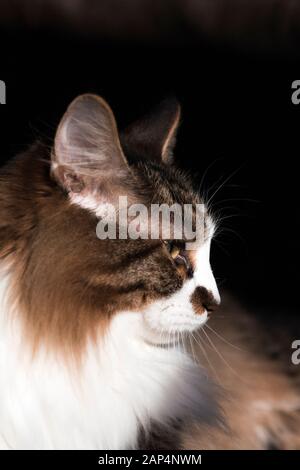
(182, 313)
(171, 325)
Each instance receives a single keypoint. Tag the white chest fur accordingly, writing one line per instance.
(122, 384)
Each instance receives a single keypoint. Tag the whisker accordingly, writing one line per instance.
(227, 231)
(223, 184)
(236, 200)
(222, 338)
(206, 172)
(192, 349)
(207, 358)
(221, 356)
(182, 342)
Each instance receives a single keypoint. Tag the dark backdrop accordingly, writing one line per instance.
(239, 125)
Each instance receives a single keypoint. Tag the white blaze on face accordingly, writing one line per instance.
(203, 274)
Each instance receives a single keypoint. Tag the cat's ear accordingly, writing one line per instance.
(153, 137)
(87, 145)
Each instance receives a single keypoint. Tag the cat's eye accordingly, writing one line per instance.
(179, 256)
(172, 249)
(174, 252)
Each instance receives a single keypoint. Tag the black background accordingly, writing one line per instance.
(238, 123)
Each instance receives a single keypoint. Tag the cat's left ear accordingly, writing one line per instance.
(87, 151)
(154, 136)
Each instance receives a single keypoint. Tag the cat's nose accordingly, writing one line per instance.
(203, 300)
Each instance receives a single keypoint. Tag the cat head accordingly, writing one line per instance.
(71, 283)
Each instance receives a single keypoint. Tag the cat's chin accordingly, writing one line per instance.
(175, 333)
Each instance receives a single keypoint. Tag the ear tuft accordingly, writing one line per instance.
(154, 136)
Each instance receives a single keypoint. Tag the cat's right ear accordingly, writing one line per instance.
(87, 146)
(153, 137)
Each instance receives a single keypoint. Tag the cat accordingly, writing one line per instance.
(89, 351)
